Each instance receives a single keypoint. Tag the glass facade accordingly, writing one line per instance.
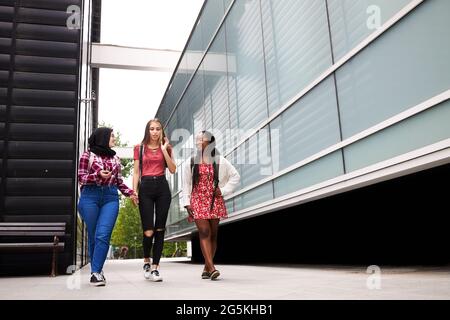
(289, 90)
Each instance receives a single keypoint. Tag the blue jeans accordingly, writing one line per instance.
(99, 207)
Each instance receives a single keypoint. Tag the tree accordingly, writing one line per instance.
(175, 249)
(127, 164)
(128, 226)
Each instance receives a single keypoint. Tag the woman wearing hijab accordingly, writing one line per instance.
(99, 175)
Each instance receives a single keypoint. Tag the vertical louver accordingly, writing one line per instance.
(39, 85)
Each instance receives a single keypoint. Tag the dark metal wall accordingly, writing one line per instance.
(40, 65)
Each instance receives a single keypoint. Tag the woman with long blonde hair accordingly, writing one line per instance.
(151, 158)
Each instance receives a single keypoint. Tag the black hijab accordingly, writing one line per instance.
(99, 142)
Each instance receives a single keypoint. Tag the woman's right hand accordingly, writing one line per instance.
(190, 212)
(105, 174)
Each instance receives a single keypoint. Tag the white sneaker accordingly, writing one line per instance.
(147, 271)
(103, 276)
(97, 280)
(155, 276)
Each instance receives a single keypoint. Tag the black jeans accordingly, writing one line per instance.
(154, 203)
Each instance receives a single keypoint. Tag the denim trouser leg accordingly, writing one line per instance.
(105, 225)
(99, 207)
(89, 208)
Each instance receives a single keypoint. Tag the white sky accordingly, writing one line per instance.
(128, 99)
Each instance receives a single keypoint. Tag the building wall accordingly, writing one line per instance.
(332, 89)
(88, 106)
(42, 122)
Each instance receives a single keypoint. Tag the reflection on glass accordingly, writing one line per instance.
(297, 46)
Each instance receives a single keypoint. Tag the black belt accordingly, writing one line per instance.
(153, 177)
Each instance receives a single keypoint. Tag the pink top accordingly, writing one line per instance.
(153, 162)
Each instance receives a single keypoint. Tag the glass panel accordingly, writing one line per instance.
(308, 127)
(171, 180)
(174, 211)
(179, 175)
(255, 196)
(406, 66)
(419, 131)
(297, 46)
(229, 205)
(226, 4)
(351, 21)
(211, 17)
(162, 112)
(191, 107)
(216, 88)
(208, 121)
(194, 51)
(185, 123)
(177, 86)
(254, 160)
(246, 64)
(320, 170)
(170, 129)
(197, 99)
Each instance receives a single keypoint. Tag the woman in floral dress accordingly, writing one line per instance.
(208, 178)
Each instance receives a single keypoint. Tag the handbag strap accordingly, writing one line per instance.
(141, 148)
(215, 182)
(91, 160)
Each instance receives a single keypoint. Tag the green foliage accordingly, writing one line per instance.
(127, 164)
(127, 167)
(128, 226)
(174, 249)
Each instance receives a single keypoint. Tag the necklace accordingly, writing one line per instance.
(153, 150)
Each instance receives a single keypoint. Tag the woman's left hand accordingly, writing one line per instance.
(135, 199)
(165, 144)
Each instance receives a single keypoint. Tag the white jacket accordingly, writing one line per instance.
(228, 180)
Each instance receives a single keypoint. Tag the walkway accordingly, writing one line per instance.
(238, 282)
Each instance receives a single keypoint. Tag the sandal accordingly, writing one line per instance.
(206, 274)
(215, 274)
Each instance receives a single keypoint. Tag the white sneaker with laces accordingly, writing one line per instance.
(155, 276)
(97, 280)
(147, 271)
(103, 276)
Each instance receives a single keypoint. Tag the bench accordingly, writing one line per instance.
(50, 231)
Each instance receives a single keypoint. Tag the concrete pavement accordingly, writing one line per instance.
(238, 282)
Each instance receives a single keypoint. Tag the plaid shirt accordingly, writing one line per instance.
(92, 176)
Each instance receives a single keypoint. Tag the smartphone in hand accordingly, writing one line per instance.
(105, 174)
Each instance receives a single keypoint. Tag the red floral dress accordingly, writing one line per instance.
(201, 196)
